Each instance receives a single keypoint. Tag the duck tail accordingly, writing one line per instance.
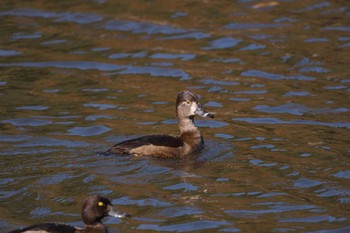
(105, 153)
(114, 151)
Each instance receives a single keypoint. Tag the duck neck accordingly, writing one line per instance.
(187, 125)
(189, 133)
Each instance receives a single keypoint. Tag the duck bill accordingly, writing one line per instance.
(116, 213)
(201, 112)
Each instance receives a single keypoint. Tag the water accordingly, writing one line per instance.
(79, 76)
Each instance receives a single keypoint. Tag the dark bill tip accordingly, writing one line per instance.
(202, 113)
(209, 115)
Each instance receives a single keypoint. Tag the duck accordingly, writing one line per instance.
(94, 209)
(189, 140)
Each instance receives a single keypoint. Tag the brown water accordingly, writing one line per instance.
(78, 76)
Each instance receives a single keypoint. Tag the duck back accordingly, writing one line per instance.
(49, 228)
(151, 145)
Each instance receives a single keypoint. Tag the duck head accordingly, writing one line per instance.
(187, 106)
(95, 208)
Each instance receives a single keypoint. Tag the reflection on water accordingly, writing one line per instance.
(78, 77)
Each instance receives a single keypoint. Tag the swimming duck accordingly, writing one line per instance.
(95, 208)
(165, 146)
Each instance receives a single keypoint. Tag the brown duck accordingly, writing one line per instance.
(165, 146)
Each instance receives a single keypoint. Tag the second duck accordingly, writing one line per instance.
(165, 146)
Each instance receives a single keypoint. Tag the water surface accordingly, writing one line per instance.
(77, 77)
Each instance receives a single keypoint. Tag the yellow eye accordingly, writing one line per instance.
(100, 203)
(188, 101)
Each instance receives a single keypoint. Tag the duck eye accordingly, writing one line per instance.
(100, 204)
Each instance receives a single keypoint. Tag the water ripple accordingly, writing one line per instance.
(89, 130)
(7, 53)
(314, 7)
(292, 122)
(297, 109)
(80, 18)
(35, 108)
(240, 26)
(51, 142)
(142, 202)
(54, 179)
(183, 56)
(219, 82)
(184, 186)
(27, 122)
(337, 28)
(100, 106)
(253, 47)
(140, 28)
(266, 75)
(185, 227)
(342, 174)
(223, 43)
(274, 208)
(313, 219)
(306, 183)
(188, 35)
(87, 65)
(334, 230)
(180, 211)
